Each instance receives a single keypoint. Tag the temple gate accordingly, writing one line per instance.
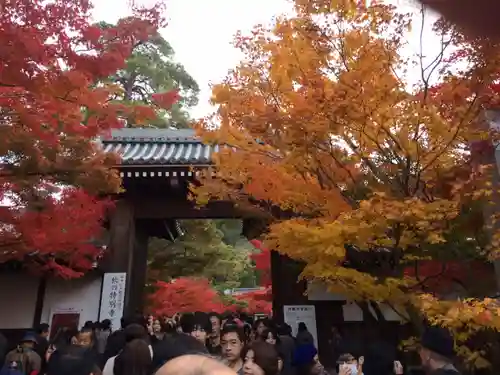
(157, 167)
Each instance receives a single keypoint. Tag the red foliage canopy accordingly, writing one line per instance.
(51, 112)
(185, 294)
(441, 277)
(258, 301)
(262, 262)
(166, 99)
(60, 233)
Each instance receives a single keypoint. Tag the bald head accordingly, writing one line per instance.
(194, 365)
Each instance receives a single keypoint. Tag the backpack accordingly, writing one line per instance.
(20, 363)
(6, 370)
(10, 369)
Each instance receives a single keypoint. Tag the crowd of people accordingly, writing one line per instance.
(192, 343)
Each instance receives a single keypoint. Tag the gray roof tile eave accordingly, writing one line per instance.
(162, 155)
(174, 134)
(152, 164)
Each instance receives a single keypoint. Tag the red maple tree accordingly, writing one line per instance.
(188, 294)
(262, 261)
(185, 294)
(442, 277)
(52, 108)
(258, 301)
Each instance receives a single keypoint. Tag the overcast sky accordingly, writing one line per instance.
(201, 31)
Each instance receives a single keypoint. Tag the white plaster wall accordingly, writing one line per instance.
(82, 295)
(352, 313)
(317, 291)
(18, 296)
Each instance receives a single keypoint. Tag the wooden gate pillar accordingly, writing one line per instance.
(139, 268)
(287, 289)
(128, 253)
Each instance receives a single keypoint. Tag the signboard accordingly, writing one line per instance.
(113, 298)
(294, 314)
(63, 318)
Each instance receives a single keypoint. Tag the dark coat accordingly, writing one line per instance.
(4, 345)
(115, 344)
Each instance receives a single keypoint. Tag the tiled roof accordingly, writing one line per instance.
(160, 147)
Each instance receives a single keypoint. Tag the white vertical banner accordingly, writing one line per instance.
(113, 298)
(294, 314)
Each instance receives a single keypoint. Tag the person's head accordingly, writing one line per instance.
(157, 326)
(302, 327)
(43, 330)
(243, 316)
(216, 323)
(316, 367)
(85, 338)
(29, 341)
(72, 360)
(306, 360)
(232, 340)
(135, 359)
(260, 358)
(379, 358)
(282, 329)
(135, 331)
(259, 326)
(289, 330)
(270, 336)
(437, 347)
(177, 345)
(348, 360)
(106, 325)
(227, 315)
(169, 325)
(194, 365)
(63, 337)
(186, 322)
(201, 327)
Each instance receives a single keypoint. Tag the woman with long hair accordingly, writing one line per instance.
(135, 359)
(260, 358)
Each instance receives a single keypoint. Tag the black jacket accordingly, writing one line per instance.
(116, 342)
(4, 344)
